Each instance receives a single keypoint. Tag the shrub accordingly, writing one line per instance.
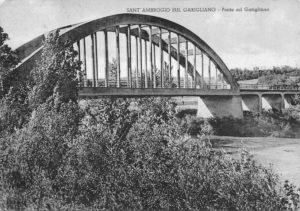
(285, 124)
(150, 167)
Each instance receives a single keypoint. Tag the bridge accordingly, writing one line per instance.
(134, 55)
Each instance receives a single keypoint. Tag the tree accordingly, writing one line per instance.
(32, 155)
(13, 92)
(8, 60)
(55, 74)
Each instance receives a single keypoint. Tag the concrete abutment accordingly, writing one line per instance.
(219, 106)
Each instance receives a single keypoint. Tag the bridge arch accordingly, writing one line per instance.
(125, 23)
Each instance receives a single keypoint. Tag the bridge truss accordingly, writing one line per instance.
(152, 56)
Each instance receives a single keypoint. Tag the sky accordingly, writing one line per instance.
(242, 39)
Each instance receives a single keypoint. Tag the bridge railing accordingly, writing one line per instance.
(174, 84)
(142, 84)
(267, 87)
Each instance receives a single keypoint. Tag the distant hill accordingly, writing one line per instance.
(276, 76)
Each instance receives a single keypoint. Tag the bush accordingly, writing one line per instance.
(122, 159)
(285, 124)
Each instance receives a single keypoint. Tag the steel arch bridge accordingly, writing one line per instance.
(153, 57)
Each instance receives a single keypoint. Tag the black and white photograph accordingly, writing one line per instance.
(149, 105)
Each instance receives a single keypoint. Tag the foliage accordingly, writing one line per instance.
(293, 113)
(118, 153)
(275, 76)
(253, 125)
(291, 199)
(194, 126)
(13, 91)
(267, 123)
(8, 60)
(55, 73)
(295, 100)
(14, 111)
(128, 157)
(32, 154)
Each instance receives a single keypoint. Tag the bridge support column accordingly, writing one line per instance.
(195, 64)
(129, 73)
(151, 56)
(186, 64)
(202, 71)
(118, 55)
(222, 80)
(154, 67)
(93, 59)
(154, 60)
(260, 103)
(141, 57)
(209, 72)
(216, 79)
(96, 58)
(84, 63)
(170, 58)
(128, 47)
(287, 100)
(161, 60)
(220, 106)
(106, 59)
(79, 58)
(178, 61)
(282, 101)
(137, 62)
(146, 63)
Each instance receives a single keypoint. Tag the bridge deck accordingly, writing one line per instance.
(137, 92)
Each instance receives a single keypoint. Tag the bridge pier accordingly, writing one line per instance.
(287, 100)
(220, 106)
(258, 101)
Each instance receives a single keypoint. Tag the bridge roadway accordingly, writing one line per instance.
(211, 101)
(140, 92)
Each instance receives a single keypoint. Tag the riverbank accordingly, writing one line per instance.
(282, 153)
